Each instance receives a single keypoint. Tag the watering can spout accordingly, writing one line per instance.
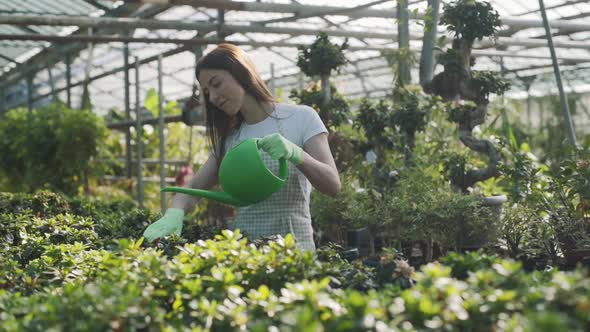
(220, 196)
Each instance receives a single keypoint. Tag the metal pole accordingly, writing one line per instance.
(529, 106)
(51, 83)
(161, 126)
(139, 133)
(68, 80)
(30, 94)
(127, 111)
(2, 98)
(562, 96)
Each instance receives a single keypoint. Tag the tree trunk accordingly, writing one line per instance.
(464, 48)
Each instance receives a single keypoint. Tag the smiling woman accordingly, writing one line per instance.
(239, 106)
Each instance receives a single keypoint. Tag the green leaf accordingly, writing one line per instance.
(151, 102)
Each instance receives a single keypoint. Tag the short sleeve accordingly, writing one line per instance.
(312, 124)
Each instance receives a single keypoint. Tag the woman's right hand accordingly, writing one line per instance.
(170, 223)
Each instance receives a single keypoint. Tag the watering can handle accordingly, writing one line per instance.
(283, 166)
(283, 169)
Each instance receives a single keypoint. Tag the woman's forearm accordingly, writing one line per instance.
(205, 178)
(323, 177)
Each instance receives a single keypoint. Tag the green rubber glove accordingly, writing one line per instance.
(279, 147)
(170, 223)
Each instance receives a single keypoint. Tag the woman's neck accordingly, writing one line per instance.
(254, 112)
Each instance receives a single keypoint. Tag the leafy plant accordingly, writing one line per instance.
(50, 148)
(470, 19)
(469, 90)
(321, 57)
(333, 114)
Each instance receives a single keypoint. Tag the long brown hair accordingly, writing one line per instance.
(234, 60)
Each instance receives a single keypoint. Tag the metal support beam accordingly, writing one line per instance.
(51, 83)
(152, 121)
(2, 56)
(139, 134)
(181, 49)
(154, 24)
(207, 41)
(562, 97)
(54, 53)
(30, 94)
(68, 80)
(227, 30)
(127, 111)
(162, 155)
(301, 10)
(2, 100)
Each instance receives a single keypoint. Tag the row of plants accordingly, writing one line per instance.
(404, 179)
(411, 185)
(94, 279)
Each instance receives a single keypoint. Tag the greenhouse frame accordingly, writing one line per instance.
(431, 171)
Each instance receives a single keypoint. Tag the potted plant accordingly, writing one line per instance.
(567, 206)
(468, 92)
(320, 59)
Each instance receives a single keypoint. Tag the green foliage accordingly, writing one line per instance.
(400, 58)
(335, 113)
(528, 236)
(463, 264)
(327, 212)
(423, 207)
(455, 167)
(462, 113)
(375, 120)
(451, 61)
(573, 174)
(566, 201)
(484, 82)
(470, 19)
(50, 148)
(523, 175)
(81, 282)
(151, 104)
(321, 57)
(411, 111)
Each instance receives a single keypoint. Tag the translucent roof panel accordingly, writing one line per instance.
(271, 31)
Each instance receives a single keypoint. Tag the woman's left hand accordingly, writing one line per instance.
(279, 147)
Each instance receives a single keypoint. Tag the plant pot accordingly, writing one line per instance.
(359, 238)
(472, 237)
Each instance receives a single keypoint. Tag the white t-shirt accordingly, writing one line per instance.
(286, 211)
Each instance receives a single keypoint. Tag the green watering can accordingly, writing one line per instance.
(243, 176)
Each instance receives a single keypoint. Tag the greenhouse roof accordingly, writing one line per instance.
(46, 43)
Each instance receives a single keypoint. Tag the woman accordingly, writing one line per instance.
(239, 106)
